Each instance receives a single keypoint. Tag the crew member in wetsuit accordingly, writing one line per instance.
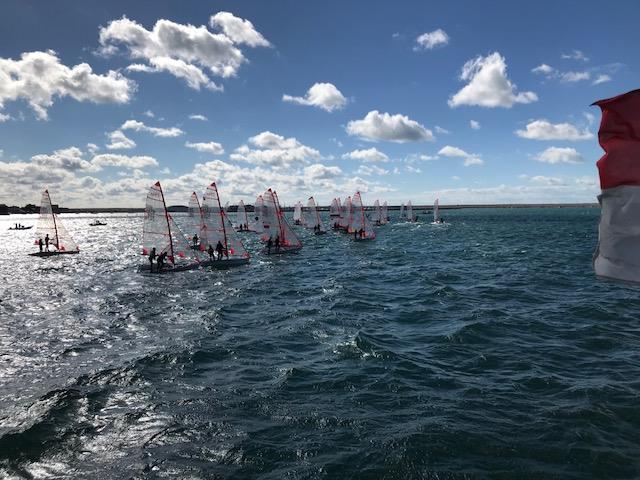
(219, 249)
(152, 257)
(269, 245)
(160, 262)
(277, 243)
(210, 251)
(196, 240)
(361, 233)
(46, 242)
(40, 243)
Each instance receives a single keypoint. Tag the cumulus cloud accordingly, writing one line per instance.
(575, 55)
(603, 78)
(543, 69)
(430, 40)
(149, 114)
(488, 85)
(369, 170)
(543, 180)
(70, 159)
(124, 161)
(368, 155)
(274, 150)
(184, 51)
(475, 125)
(39, 77)
(398, 128)
(555, 155)
(208, 147)
(318, 171)
(321, 95)
(119, 141)
(202, 118)
(238, 30)
(138, 126)
(455, 152)
(572, 77)
(545, 130)
(441, 130)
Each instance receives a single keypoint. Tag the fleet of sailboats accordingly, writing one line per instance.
(211, 239)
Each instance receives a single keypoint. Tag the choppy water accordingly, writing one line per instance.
(486, 349)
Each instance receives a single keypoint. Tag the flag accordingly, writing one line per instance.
(618, 253)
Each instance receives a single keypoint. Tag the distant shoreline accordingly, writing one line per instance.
(182, 208)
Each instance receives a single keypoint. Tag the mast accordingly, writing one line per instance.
(224, 228)
(166, 216)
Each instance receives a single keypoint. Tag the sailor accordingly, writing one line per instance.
(277, 243)
(196, 240)
(40, 243)
(219, 249)
(210, 251)
(152, 257)
(160, 262)
(46, 242)
(269, 245)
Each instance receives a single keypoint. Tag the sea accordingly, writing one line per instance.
(483, 348)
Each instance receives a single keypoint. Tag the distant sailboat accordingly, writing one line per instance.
(161, 233)
(360, 226)
(346, 214)
(242, 219)
(376, 216)
(220, 232)
(312, 218)
(409, 212)
(50, 227)
(334, 213)
(196, 223)
(385, 213)
(297, 213)
(436, 213)
(276, 228)
(256, 220)
(403, 215)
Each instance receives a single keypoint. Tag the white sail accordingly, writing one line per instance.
(196, 221)
(409, 212)
(346, 213)
(297, 213)
(160, 232)
(335, 212)
(385, 213)
(376, 216)
(255, 223)
(219, 228)
(242, 219)
(403, 215)
(312, 217)
(50, 227)
(275, 224)
(436, 211)
(360, 225)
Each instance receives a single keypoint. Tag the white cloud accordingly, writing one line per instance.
(541, 179)
(92, 148)
(149, 114)
(369, 170)
(69, 159)
(114, 160)
(394, 128)
(39, 77)
(369, 155)
(441, 130)
(603, 78)
(208, 147)
(275, 150)
(318, 171)
(321, 95)
(455, 152)
(556, 155)
(572, 77)
(545, 130)
(430, 40)
(456, 178)
(544, 69)
(4, 117)
(238, 30)
(586, 181)
(202, 118)
(488, 85)
(415, 157)
(474, 124)
(575, 55)
(138, 126)
(119, 141)
(184, 50)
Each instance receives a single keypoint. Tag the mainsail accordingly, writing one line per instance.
(335, 211)
(197, 220)
(436, 211)
(410, 217)
(242, 220)
(161, 232)
(403, 215)
(312, 217)
(360, 225)
(256, 219)
(275, 225)
(297, 213)
(346, 212)
(50, 225)
(377, 213)
(385, 213)
(219, 228)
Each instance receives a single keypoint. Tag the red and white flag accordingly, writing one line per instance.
(618, 253)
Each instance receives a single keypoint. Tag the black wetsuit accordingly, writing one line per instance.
(152, 257)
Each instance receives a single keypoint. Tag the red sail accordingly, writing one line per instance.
(619, 136)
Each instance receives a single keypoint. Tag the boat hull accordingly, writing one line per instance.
(25, 228)
(52, 254)
(214, 264)
(281, 251)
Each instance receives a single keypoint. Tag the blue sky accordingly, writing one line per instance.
(96, 104)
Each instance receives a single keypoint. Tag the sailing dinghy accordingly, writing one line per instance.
(436, 214)
(385, 213)
(297, 214)
(161, 232)
(196, 221)
(220, 232)
(377, 214)
(334, 213)
(346, 214)
(242, 219)
(409, 212)
(360, 226)
(256, 219)
(276, 228)
(403, 215)
(50, 227)
(312, 218)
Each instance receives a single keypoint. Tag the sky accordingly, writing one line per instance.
(470, 101)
